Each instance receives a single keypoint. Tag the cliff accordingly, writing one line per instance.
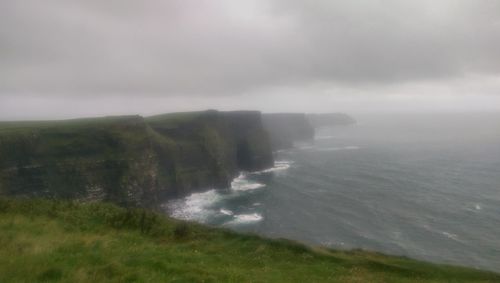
(130, 160)
(201, 150)
(330, 119)
(287, 128)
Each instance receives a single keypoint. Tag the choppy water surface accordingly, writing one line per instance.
(424, 186)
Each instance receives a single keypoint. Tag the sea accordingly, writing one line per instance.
(421, 185)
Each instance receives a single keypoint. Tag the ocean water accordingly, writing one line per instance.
(422, 186)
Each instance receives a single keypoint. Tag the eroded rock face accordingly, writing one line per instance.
(209, 148)
(130, 160)
(253, 147)
(286, 128)
(89, 159)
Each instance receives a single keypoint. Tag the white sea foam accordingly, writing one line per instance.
(246, 218)
(278, 166)
(242, 183)
(474, 207)
(202, 207)
(226, 211)
(451, 236)
(196, 206)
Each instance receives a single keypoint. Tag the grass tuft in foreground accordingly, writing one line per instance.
(60, 241)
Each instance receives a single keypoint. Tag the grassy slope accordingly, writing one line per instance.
(62, 241)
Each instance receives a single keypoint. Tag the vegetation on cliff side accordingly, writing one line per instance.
(61, 241)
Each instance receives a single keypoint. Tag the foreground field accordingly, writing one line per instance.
(57, 241)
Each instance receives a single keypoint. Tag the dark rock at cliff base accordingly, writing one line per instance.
(130, 160)
(330, 119)
(287, 128)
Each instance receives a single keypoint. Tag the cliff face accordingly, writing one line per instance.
(330, 119)
(91, 159)
(287, 128)
(207, 149)
(130, 160)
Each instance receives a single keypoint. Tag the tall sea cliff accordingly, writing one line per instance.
(130, 160)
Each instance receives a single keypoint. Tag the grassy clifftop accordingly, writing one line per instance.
(59, 241)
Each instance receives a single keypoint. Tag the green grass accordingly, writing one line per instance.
(57, 241)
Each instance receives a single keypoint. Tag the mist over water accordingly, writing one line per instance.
(423, 186)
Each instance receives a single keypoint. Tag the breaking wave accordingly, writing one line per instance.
(278, 166)
(242, 183)
(205, 206)
(245, 219)
(197, 206)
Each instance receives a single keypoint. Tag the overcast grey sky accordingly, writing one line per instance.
(68, 58)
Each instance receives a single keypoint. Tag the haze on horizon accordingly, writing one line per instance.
(73, 58)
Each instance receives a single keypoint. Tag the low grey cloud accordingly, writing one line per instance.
(177, 47)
